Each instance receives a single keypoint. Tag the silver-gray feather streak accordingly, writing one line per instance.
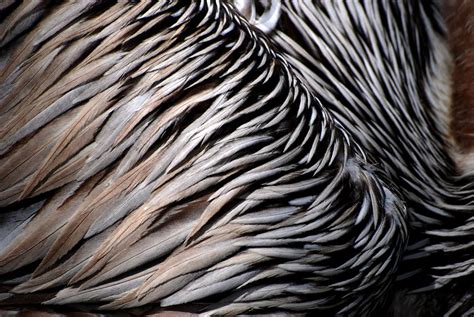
(163, 153)
(382, 68)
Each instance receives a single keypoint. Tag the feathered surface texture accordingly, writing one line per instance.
(459, 15)
(460, 21)
(163, 153)
(383, 69)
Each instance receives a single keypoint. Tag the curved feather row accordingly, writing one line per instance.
(382, 69)
(162, 153)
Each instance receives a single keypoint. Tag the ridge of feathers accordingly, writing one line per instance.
(169, 153)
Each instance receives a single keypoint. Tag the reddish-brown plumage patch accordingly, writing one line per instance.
(459, 15)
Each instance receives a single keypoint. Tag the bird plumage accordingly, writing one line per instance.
(164, 153)
(383, 70)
